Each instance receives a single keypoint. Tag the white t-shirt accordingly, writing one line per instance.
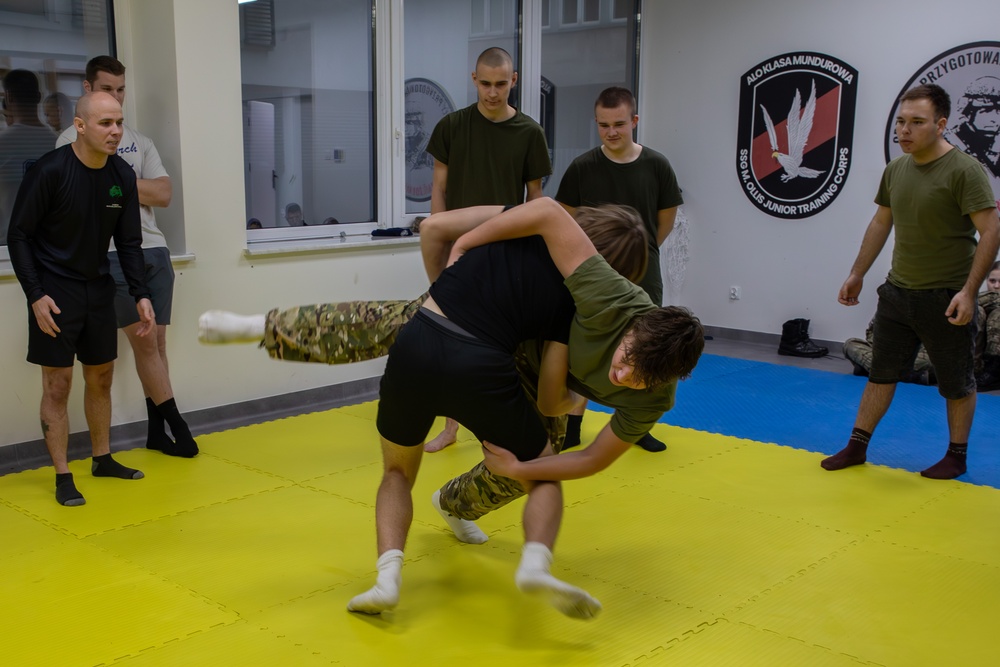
(138, 150)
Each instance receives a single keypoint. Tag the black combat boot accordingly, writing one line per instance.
(795, 341)
(988, 379)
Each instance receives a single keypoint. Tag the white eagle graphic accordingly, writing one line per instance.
(800, 122)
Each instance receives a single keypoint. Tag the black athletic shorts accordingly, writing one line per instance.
(159, 282)
(436, 369)
(88, 330)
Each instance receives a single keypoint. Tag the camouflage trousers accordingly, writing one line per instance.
(989, 326)
(351, 331)
(337, 333)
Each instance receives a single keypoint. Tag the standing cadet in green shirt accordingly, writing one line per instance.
(620, 171)
(488, 153)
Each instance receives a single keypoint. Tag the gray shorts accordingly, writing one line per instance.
(159, 282)
(905, 319)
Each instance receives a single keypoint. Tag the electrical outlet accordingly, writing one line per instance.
(734, 293)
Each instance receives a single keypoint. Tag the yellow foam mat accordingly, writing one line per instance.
(718, 552)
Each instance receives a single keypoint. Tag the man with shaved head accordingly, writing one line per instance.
(486, 154)
(70, 205)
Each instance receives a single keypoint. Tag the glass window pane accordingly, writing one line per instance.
(591, 10)
(308, 116)
(577, 64)
(621, 9)
(44, 48)
(569, 12)
(442, 46)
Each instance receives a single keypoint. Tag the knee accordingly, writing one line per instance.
(99, 377)
(56, 387)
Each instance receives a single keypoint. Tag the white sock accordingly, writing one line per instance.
(465, 530)
(533, 577)
(384, 595)
(220, 326)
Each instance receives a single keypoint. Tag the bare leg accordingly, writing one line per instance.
(97, 405)
(151, 366)
(393, 516)
(445, 438)
(542, 517)
(56, 383)
(151, 361)
(875, 401)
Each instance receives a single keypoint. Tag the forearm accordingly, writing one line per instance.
(982, 260)
(155, 192)
(525, 220)
(563, 467)
(874, 240)
(665, 224)
(439, 231)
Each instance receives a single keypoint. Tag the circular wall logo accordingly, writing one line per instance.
(971, 75)
(426, 104)
(796, 128)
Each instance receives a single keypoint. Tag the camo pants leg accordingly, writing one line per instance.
(478, 492)
(989, 324)
(336, 333)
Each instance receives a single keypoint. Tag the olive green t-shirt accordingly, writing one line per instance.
(488, 163)
(606, 304)
(647, 184)
(931, 203)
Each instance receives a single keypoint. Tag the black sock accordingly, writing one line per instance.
(651, 444)
(156, 436)
(105, 466)
(573, 423)
(855, 453)
(66, 493)
(952, 465)
(184, 444)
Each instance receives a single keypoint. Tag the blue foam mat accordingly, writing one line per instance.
(815, 410)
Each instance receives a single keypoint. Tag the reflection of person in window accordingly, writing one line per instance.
(976, 129)
(58, 112)
(23, 142)
(293, 215)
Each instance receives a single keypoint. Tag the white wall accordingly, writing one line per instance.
(694, 52)
(184, 82)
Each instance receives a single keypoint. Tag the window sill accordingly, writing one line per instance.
(7, 271)
(328, 244)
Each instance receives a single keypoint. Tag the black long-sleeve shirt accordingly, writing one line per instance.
(64, 217)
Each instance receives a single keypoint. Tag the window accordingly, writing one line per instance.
(337, 117)
(44, 47)
(443, 39)
(578, 62)
(308, 118)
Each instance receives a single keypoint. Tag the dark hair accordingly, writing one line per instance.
(937, 95)
(619, 234)
(614, 97)
(663, 345)
(22, 86)
(495, 57)
(254, 223)
(293, 208)
(996, 265)
(98, 64)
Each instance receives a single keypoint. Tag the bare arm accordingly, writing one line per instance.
(439, 187)
(665, 218)
(872, 244)
(534, 189)
(439, 231)
(568, 245)
(964, 303)
(155, 192)
(601, 453)
(554, 397)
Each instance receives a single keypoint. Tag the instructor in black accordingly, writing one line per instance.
(69, 206)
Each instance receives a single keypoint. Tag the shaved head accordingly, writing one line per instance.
(495, 57)
(96, 102)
